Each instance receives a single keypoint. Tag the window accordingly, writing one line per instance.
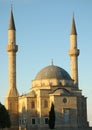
(64, 100)
(46, 120)
(32, 104)
(33, 121)
(23, 107)
(45, 104)
(22, 121)
(19, 121)
(66, 115)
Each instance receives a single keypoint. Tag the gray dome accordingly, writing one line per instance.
(52, 71)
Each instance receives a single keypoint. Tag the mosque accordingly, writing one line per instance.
(52, 84)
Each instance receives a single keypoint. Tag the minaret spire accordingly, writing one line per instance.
(11, 23)
(74, 52)
(73, 28)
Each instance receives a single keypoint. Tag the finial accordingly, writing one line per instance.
(73, 14)
(11, 4)
(51, 61)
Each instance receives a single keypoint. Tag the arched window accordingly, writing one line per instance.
(32, 104)
(23, 107)
(45, 103)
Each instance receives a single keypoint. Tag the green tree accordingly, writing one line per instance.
(4, 117)
(52, 117)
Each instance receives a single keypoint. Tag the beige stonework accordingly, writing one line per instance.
(74, 53)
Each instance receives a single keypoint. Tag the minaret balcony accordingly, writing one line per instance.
(12, 48)
(74, 52)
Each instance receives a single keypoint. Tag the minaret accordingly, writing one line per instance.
(11, 101)
(74, 52)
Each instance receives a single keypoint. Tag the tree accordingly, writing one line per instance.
(52, 117)
(4, 117)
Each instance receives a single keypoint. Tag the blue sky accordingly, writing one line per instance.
(43, 33)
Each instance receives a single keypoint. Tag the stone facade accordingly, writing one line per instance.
(70, 107)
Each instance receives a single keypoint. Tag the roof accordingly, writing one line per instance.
(11, 23)
(52, 71)
(73, 28)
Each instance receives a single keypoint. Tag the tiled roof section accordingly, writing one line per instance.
(60, 91)
(11, 23)
(52, 71)
(73, 28)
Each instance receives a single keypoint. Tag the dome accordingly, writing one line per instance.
(53, 71)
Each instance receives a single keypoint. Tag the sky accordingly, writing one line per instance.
(42, 34)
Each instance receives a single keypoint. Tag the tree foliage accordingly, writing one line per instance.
(4, 117)
(52, 117)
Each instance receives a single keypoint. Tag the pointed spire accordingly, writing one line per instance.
(73, 28)
(11, 23)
